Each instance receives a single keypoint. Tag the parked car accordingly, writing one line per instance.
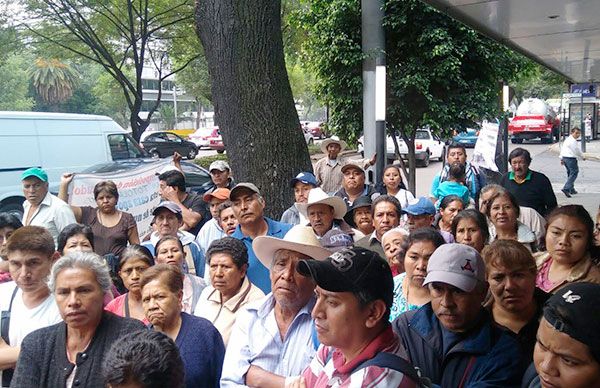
(216, 143)
(315, 128)
(202, 136)
(197, 179)
(427, 147)
(467, 138)
(163, 144)
(308, 137)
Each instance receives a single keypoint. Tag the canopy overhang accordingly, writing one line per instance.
(563, 35)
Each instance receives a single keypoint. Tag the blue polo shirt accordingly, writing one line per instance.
(257, 273)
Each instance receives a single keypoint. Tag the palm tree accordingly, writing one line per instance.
(53, 80)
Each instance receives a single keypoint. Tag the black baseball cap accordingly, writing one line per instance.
(352, 270)
(571, 311)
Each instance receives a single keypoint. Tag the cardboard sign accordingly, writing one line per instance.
(484, 155)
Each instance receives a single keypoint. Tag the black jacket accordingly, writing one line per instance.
(43, 359)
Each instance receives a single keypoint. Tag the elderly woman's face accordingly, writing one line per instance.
(512, 288)
(169, 252)
(161, 305)
(562, 361)
(502, 212)
(225, 276)
(363, 219)
(77, 243)
(79, 297)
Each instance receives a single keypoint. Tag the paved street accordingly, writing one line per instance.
(545, 160)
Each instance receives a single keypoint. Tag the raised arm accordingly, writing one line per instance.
(63, 193)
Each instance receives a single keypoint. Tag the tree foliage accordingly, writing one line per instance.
(122, 36)
(539, 82)
(53, 80)
(14, 84)
(440, 73)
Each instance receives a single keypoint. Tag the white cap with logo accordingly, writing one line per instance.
(458, 265)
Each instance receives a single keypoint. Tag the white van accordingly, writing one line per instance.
(56, 142)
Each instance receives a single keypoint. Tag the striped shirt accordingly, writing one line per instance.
(329, 369)
(256, 340)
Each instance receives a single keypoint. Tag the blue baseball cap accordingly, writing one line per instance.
(422, 206)
(36, 173)
(304, 177)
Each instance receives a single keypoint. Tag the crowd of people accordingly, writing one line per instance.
(475, 284)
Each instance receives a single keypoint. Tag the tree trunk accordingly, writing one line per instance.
(253, 101)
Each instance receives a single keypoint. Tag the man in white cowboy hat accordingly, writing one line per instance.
(325, 216)
(273, 338)
(328, 169)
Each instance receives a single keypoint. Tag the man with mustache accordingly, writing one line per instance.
(453, 339)
(248, 208)
(273, 338)
(386, 212)
(533, 189)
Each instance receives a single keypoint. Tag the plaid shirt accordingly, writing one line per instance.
(329, 369)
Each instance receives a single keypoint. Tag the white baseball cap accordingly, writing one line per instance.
(458, 265)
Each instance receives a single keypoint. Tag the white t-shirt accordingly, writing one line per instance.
(23, 320)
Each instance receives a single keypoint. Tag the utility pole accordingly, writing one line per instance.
(374, 81)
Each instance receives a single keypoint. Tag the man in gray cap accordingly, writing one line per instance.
(453, 339)
(42, 208)
(220, 174)
(167, 222)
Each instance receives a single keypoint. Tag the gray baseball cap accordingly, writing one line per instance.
(170, 206)
(458, 265)
(241, 186)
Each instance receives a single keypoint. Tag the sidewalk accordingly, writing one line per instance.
(587, 183)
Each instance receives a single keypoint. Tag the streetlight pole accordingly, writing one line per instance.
(374, 80)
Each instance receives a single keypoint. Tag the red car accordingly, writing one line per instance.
(216, 143)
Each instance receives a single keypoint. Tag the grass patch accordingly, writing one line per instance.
(314, 149)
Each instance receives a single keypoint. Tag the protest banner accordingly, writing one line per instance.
(484, 155)
(138, 191)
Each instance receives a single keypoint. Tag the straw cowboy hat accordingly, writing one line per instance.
(318, 196)
(300, 239)
(333, 140)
